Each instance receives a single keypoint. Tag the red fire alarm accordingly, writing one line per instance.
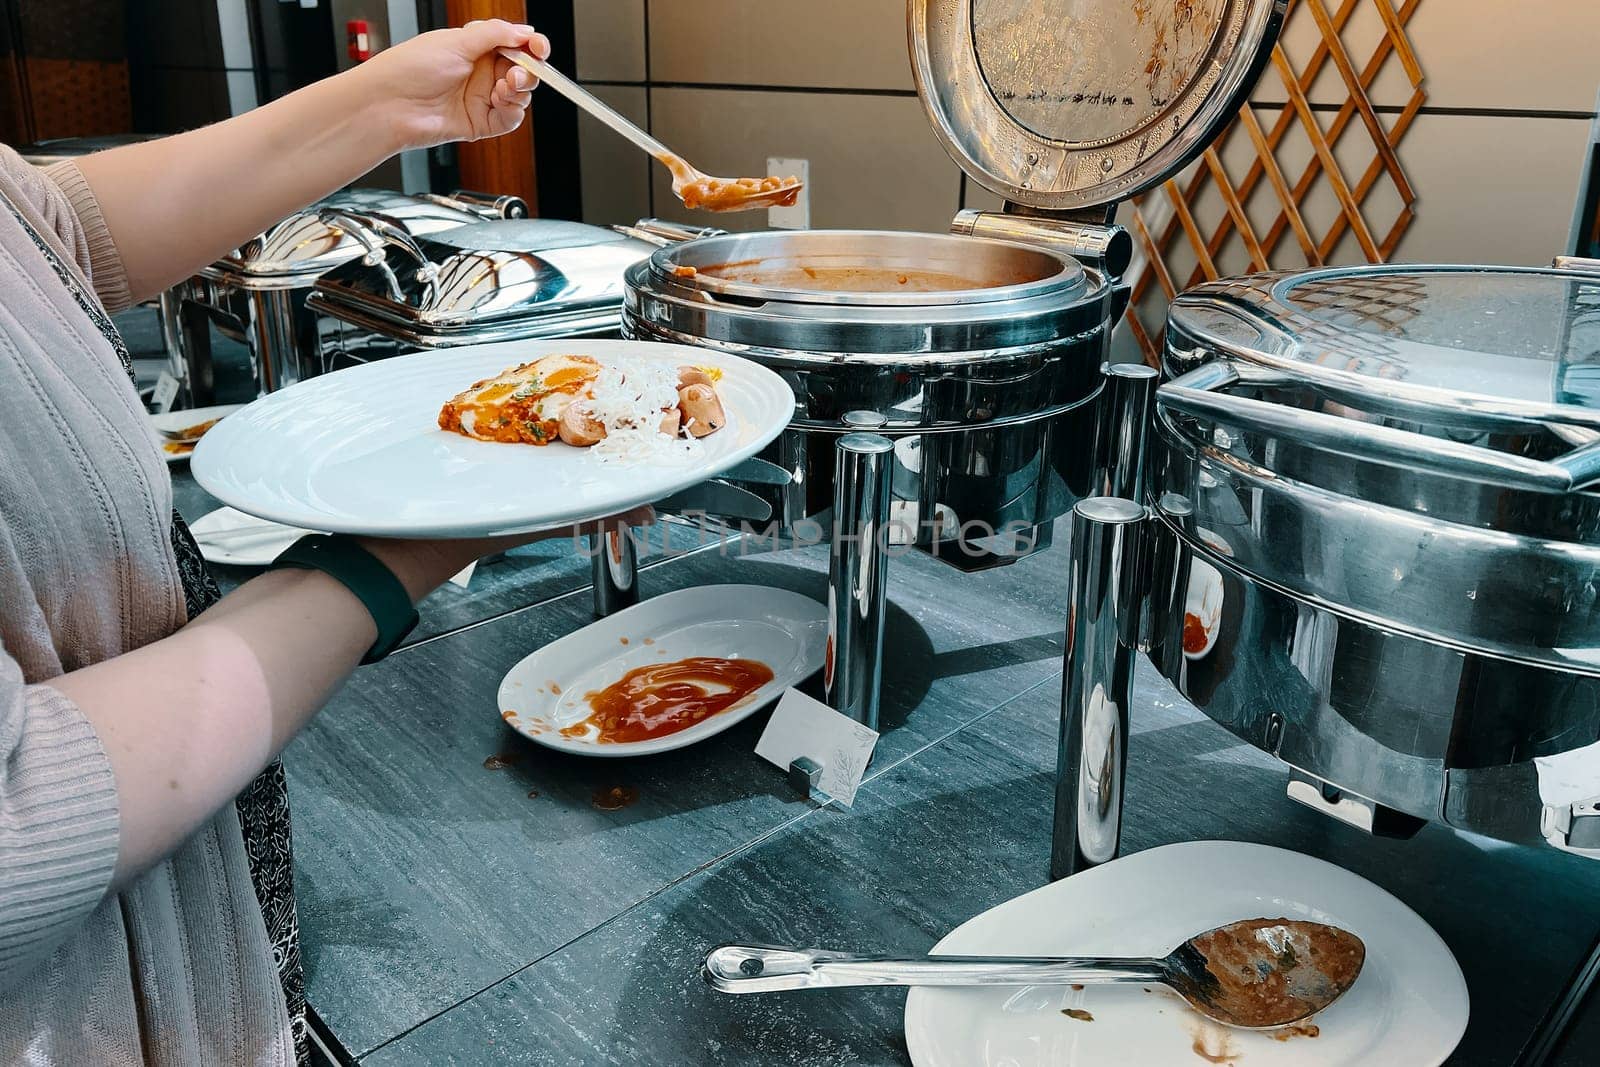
(360, 36)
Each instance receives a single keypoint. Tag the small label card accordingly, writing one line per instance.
(1569, 777)
(166, 391)
(464, 579)
(802, 726)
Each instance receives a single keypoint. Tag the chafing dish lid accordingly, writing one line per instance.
(1063, 104)
(488, 272)
(1521, 343)
(306, 244)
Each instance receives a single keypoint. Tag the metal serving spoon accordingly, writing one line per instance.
(695, 188)
(1257, 974)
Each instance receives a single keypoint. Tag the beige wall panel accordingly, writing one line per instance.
(609, 39)
(615, 175)
(836, 44)
(874, 160)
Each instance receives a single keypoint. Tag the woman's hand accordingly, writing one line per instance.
(453, 85)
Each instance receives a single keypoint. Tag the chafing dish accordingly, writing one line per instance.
(1369, 543)
(951, 389)
(256, 294)
(501, 280)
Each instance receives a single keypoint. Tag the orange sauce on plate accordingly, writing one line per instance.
(663, 698)
(1194, 634)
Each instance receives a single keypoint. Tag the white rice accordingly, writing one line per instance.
(628, 399)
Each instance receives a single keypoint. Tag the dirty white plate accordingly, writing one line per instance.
(546, 691)
(235, 539)
(360, 451)
(1409, 1005)
(173, 421)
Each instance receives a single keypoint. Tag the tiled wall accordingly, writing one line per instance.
(1494, 156)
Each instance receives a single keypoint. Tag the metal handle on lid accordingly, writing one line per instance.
(1201, 393)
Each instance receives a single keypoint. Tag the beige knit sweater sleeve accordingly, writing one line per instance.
(58, 799)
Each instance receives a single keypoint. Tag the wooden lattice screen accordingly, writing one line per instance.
(1208, 222)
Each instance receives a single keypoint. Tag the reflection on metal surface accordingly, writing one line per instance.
(616, 571)
(1106, 589)
(1087, 71)
(857, 569)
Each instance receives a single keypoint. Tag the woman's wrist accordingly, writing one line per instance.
(398, 124)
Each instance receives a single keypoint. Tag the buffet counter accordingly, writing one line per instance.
(466, 897)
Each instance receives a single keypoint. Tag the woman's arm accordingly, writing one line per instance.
(176, 204)
(188, 721)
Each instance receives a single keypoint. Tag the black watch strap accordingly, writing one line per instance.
(364, 575)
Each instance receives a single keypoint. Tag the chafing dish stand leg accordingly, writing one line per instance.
(1122, 427)
(616, 571)
(273, 344)
(1104, 599)
(852, 673)
(1102, 636)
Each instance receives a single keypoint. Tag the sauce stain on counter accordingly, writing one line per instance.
(1078, 1014)
(500, 761)
(614, 798)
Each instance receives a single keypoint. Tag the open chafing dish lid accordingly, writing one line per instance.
(486, 273)
(306, 243)
(1451, 342)
(1067, 104)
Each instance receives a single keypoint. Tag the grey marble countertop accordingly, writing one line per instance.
(455, 914)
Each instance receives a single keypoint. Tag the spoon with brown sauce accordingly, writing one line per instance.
(1257, 974)
(694, 187)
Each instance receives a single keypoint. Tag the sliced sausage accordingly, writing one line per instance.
(702, 410)
(579, 426)
(688, 375)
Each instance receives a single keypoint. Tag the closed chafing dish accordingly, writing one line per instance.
(256, 294)
(493, 281)
(1373, 547)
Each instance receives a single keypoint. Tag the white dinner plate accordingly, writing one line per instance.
(1409, 1005)
(360, 450)
(173, 421)
(238, 540)
(546, 692)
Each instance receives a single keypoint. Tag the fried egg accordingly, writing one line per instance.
(523, 404)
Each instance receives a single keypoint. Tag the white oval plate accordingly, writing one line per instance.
(173, 421)
(235, 539)
(1408, 1006)
(545, 692)
(360, 450)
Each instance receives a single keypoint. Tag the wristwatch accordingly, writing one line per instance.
(373, 583)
